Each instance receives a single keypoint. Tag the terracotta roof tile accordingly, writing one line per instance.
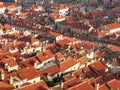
(113, 26)
(56, 16)
(83, 60)
(78, 73)
(114, 84)
(10, 61)
(28, 73)
(51, 70)
(35, 86)
(54, 34)
(84, 86)
(5, 86)
(103, 87)
(99, 67)
(43, 56)
(71, 83)
(113, 47)
(67, 64)
(63, 42)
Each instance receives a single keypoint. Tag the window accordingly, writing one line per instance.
(34, 81)
(49, 61)
(16, 86)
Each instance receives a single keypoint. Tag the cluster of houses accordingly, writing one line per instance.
(74, 46)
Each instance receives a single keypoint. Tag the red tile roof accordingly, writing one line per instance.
(78, 73)
(62, 6)
(100, 54)
(113, 47)
(63, 42)
(71, 83)
(59, 56)
(112, 26)
(28, 73)
(5, 86)
(35, 86)
(43, 56)
(114, 84)
(56, 16)
(98, 32)
(83, 60)
(84, 86)
(54, 34)
(103, 87)
(88, 71)
(10, 61)
(51, 70)
(30, 61)
(99, 67)
(67, 64)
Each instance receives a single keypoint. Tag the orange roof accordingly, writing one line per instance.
(43, 56)
(28, 73)
(98, 66)
(89, 45)
(49, 46)
(35, 86)
(112, 26)
(113, 47)
(28, 39)
(67, 64)
(83, 60)
(7, 27)
(10, 61)
(103, 87)
(58, 7)
(71, 83)
(62, 6)
(51, 70)
(89, 71)
(77, 46)
(10, 5)
(5, 86)
(98, 32)
(54, 34)
(56, 16)
(59, 56)
(99, 79)
(1, 5)
(63, 42)
(84, 86)
(31, 61)
(100, 54)
(79, 73)
(114, 84)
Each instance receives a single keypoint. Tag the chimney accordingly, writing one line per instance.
(96, 86)
(9, 69)
(11, 80)
(2, 75)
(35, 64)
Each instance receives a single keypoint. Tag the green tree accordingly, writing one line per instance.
(50, 83)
